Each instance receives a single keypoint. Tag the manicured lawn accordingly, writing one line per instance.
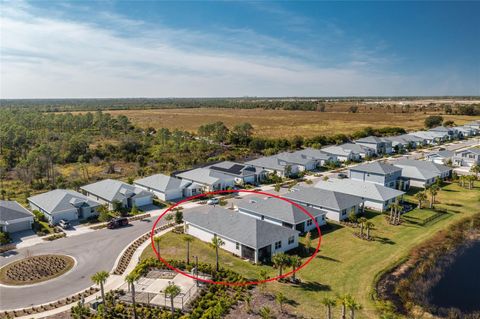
(346, 264)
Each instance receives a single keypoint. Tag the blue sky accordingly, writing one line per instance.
(201, 49)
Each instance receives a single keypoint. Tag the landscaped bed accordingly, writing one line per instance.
(35, 269)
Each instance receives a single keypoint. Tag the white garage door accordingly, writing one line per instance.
(142, 201)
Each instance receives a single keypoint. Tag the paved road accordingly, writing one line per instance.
(98, 250)
(93, 252)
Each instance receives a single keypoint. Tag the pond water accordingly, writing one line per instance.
(460, 286)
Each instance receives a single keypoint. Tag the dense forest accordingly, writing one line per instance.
(35, 145)
(323, 104)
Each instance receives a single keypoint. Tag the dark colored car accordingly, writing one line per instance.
(342, 175)
(117, 222)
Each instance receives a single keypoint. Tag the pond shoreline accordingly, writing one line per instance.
(407, 285)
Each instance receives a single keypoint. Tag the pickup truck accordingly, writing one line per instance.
(117, 222)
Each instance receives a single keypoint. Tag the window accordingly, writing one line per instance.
(237, 246)
(309, 222)
(278, 245)
(291, 240)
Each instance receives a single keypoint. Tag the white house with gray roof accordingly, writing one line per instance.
(440, 157)
(321, 158)
(282, 213)
(381, 146)
(14, 217)
(467, 131)
(210, 180)
(245, 236)
(379, 173)
(274, 165)
(111, 191)
(341, 153)
(337, 205)
(375, 196)
(430, 138)
(167, 188)
(363, 151)
(242, 174)
(64, 204)
(467, 157)
(422, 173)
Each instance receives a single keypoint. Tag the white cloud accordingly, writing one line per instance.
(51, 57)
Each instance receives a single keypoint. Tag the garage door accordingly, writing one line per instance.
(19, 226)
(142, 201)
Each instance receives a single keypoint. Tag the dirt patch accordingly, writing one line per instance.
(35, 269)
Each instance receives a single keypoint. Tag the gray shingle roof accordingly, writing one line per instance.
(376, 168)
(278, 209)
(294, 158)
(337, 150)
(356, 148)
(323, 198)
(422, 170)
(267, 162)
(315, 154)
(111, 190)
(444, 153)
(162, 183)
(237, 227)
(365, 190)
(370, 140)
(59, 200)
(205, 176)
(11, 210)
(235, 169)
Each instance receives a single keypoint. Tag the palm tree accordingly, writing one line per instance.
(100, 278)
(130, 279)
(263, 277)
(362, 221)
(157, 240)
(172, 291)
(280, 299)
(217, 242)
(294, 261)
(280, 260)
(433, 190)
(353, 305)
(188, 239)
(329, 303)
(344, 301)
(369, 225)
(475, 169)
(395, 213)
(421, 197)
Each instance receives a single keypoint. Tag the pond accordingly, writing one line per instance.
(459, 287)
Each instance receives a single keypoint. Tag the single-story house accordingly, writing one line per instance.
(209, 179)
(303, 162)
(468, 157)
(282, 213)
(321, 158)
(430, 138)
(245, 236)
(379, 173)
(449, 132)
(440, 157)
(164, 187)
(473, 124)
(415, 141)
(422, 173)
(274, 165)
(243, 174)
(341, 153)
(375, 196)
(363, 151)
(337, 205)
(380, 145)
(63, 204)
(14, 217)
(467, 131)
(111, 191)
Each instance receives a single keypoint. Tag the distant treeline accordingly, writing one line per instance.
(293, 103)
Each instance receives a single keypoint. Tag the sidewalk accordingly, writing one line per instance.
(113, 282)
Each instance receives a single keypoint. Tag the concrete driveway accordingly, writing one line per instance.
(93, 251)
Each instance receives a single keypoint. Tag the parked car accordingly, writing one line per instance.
(117, 222)
(342, 175)
(65, 224)
(213, 201)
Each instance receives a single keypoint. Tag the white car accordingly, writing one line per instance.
(213, 201)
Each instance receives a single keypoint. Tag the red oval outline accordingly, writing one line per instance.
(226, 283)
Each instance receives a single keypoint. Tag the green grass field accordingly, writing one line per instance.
(345, 263)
